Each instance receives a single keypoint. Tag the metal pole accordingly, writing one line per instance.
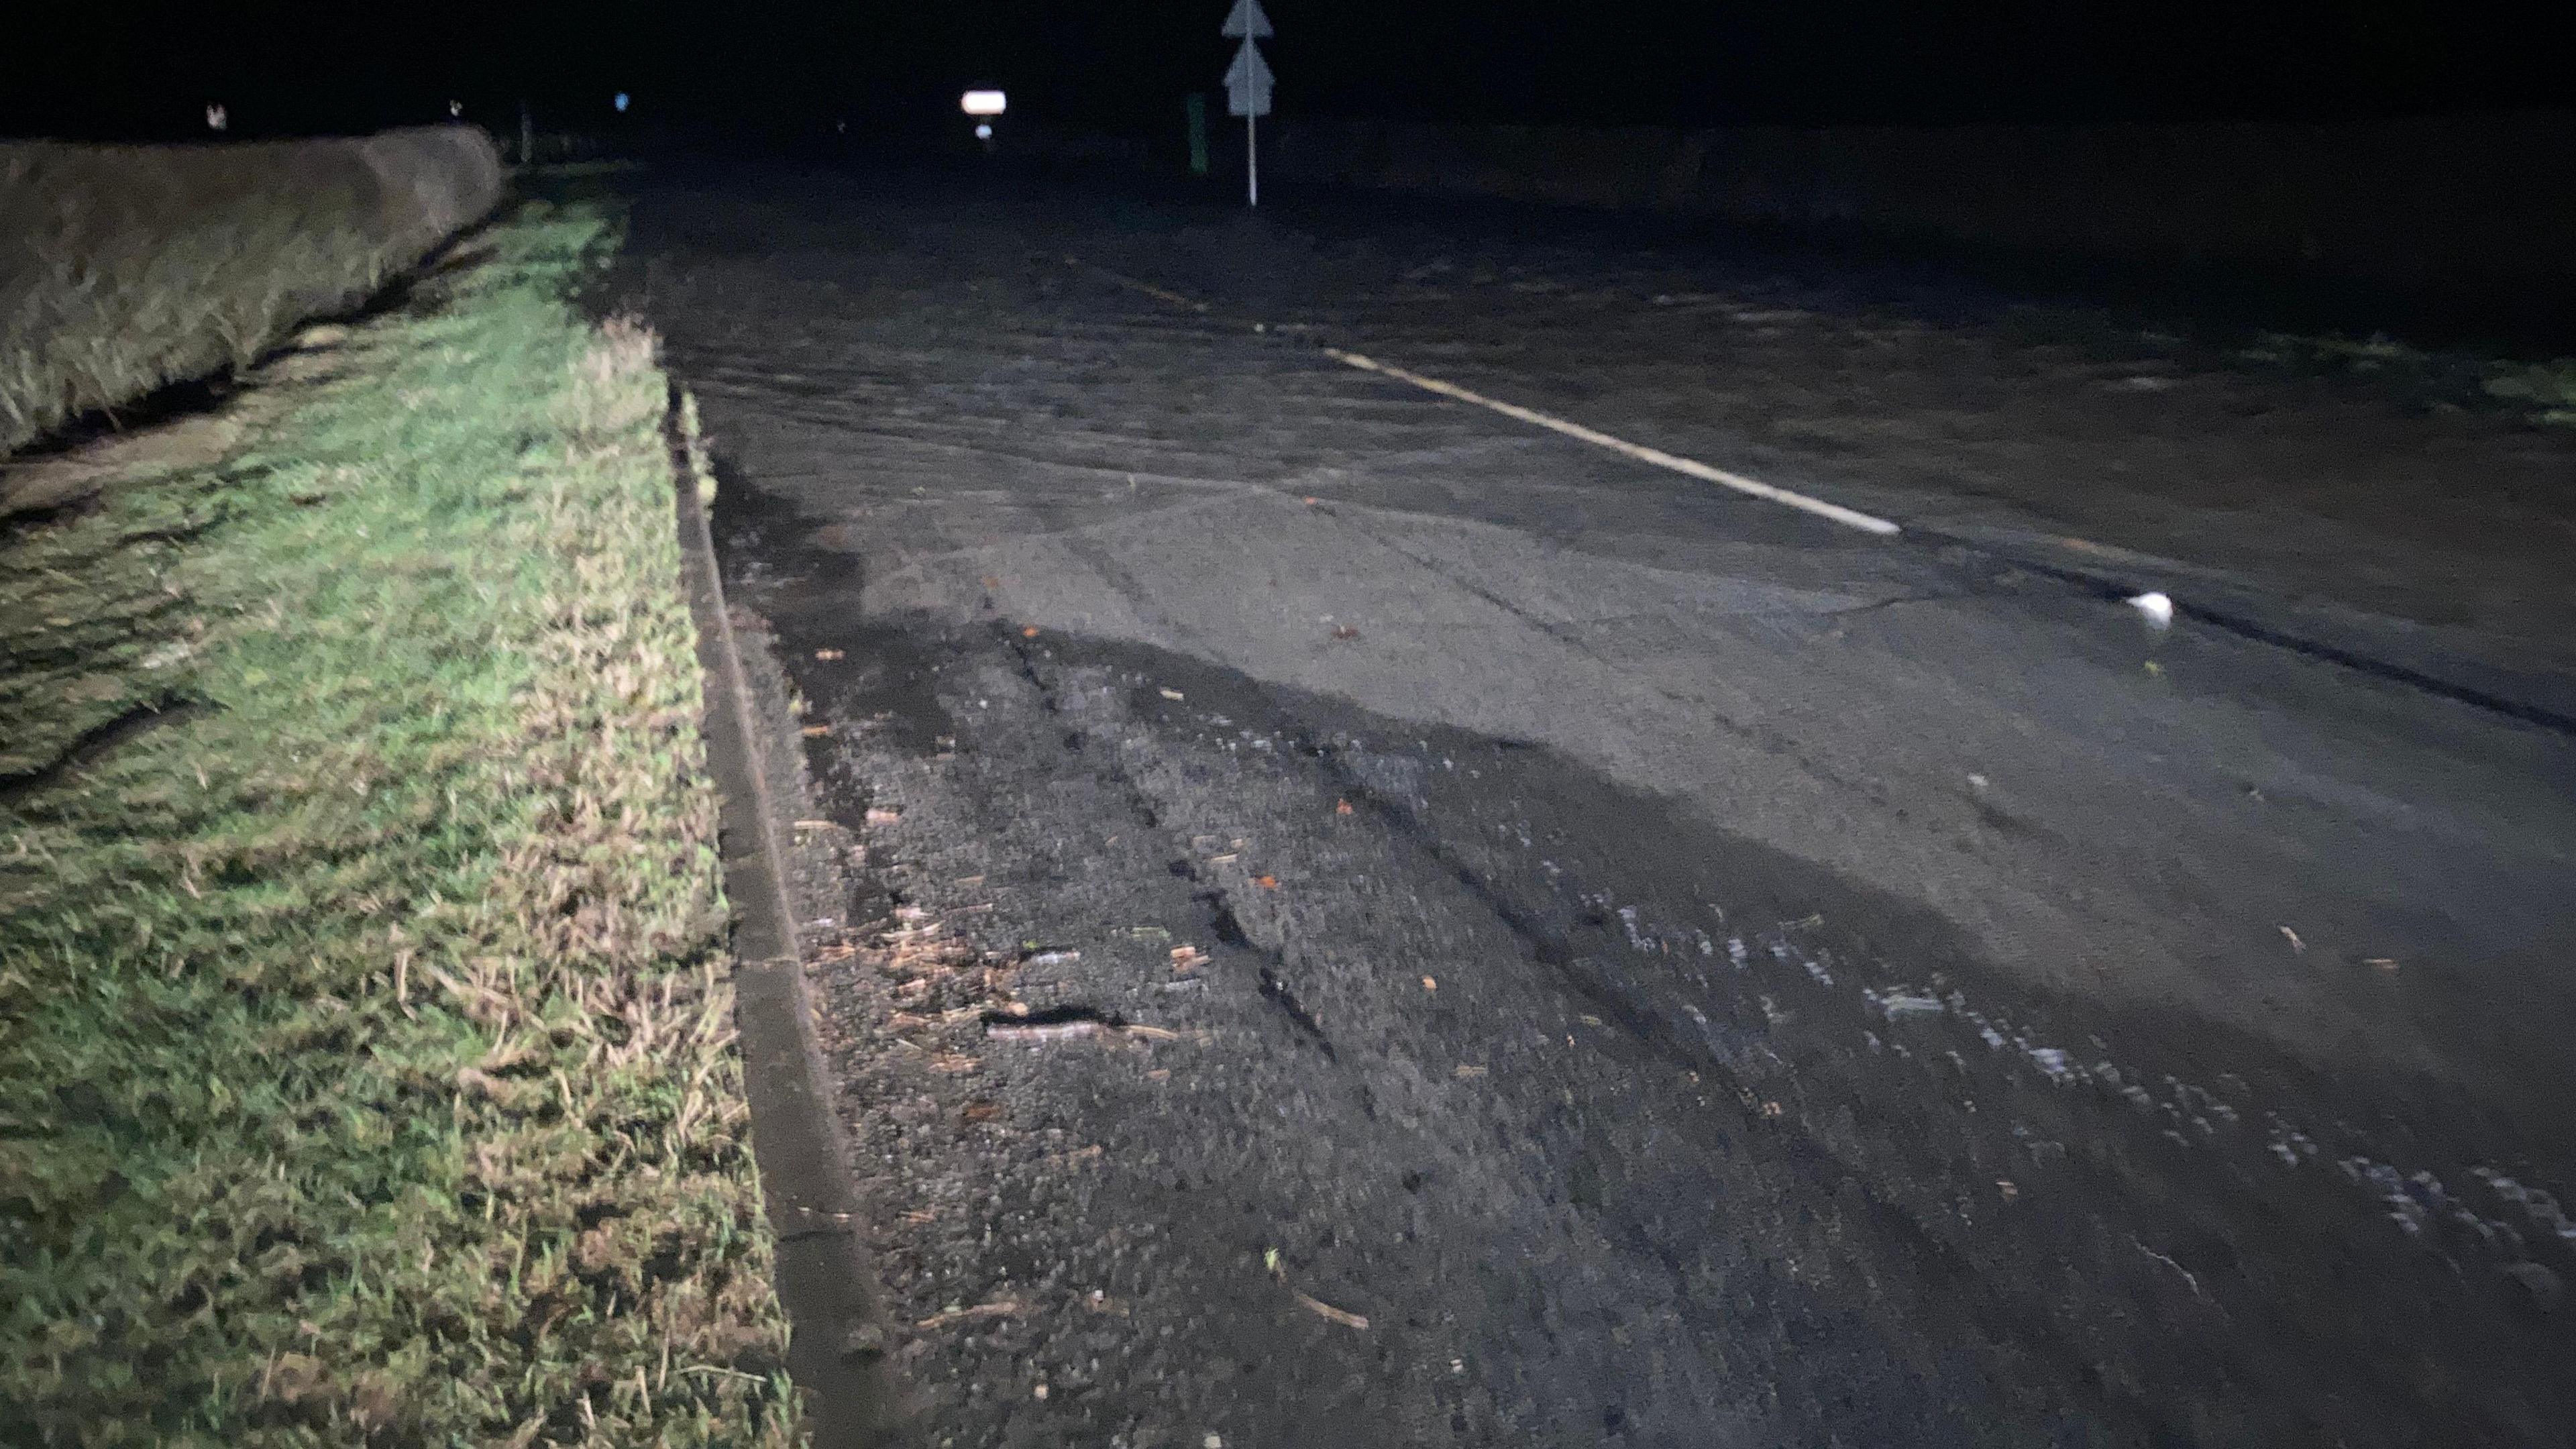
(1252, 159)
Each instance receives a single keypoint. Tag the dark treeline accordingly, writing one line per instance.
(146, 72)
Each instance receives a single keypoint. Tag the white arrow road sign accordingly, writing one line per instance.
(1247, 87)
(1247, 82)
(1247, 22)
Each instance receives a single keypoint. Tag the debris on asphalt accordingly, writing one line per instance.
(879, 815)
(1321, 1309)
(1346, 631)
(2158, 608)
(1430, 983)
(828, 654)
(1171, 694)
(1045, 1031)
(2297, 945)
(1468, 1074)
(998, 1308)
(1341, 807)
(1188, 958)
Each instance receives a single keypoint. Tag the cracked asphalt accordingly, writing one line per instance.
(1360, 921)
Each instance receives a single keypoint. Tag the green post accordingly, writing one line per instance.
(1197, 107)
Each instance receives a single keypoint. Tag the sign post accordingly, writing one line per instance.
(1247, 86)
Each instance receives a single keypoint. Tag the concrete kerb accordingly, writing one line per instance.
(839, 1334)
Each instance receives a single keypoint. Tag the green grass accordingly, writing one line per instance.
(2542, 392)
(366, 1065)
(125, 268)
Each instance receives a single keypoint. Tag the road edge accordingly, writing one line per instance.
(824, 1279)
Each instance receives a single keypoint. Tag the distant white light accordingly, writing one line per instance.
(455, 109)
(984, 131)
(983, 103)
(217, 118)
(621, 103)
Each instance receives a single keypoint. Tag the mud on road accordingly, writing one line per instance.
(1366, 924)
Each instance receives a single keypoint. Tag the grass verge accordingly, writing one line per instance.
(366, 1067)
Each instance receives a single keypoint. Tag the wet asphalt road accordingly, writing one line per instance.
(1683, 972)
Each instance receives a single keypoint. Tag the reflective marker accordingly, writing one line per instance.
(983, 103)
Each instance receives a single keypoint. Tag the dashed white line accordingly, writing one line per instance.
(1689, 467)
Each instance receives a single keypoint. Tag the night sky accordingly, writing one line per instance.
(1123, 66)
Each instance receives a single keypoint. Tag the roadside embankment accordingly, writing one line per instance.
(367, 1064)
(2467, 210)
(124, 269)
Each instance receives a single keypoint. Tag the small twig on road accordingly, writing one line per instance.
(999, 1308)
(1322, 1309)
(2187, 1275)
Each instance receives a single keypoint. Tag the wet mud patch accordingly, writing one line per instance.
(2151, 1226)
(2297, 1227)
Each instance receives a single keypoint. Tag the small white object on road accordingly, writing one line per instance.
(2157, 607)
(1690, 467)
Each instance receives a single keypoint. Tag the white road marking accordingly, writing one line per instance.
(1690, 467)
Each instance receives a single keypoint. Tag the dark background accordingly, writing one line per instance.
(1122, 65)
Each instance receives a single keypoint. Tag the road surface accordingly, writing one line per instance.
(1372, 922)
